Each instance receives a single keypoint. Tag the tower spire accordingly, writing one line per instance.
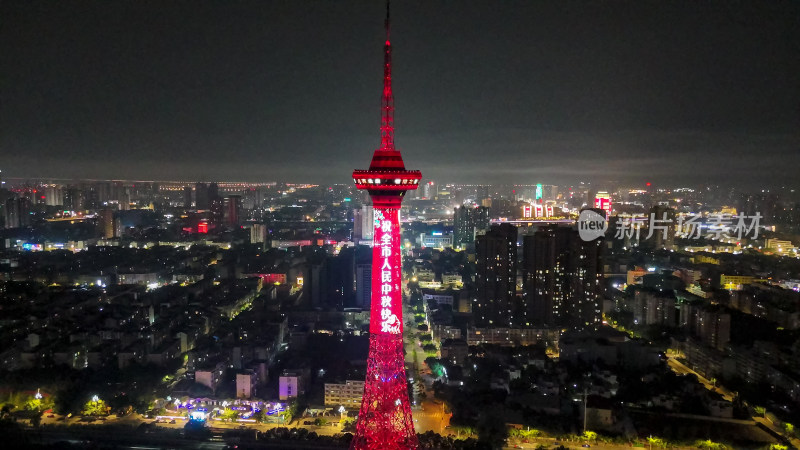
(386, 22)
(387, 99)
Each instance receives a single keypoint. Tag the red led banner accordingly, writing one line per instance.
(386, 312)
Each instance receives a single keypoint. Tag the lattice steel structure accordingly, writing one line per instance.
(384, 421)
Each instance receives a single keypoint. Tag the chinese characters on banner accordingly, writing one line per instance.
(386, 315)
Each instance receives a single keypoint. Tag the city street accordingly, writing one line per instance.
(682, 369)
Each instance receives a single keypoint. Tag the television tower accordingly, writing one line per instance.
(384, 421)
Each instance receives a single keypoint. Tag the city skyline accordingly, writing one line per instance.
(605, 253)
(601, 92)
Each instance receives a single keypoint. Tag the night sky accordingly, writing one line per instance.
(486, 91)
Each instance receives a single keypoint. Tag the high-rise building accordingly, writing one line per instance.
(429, 190)
(562, 278)
(202, 201)
(466, 222)
(363, 284)
(362, 223)
(544, 261)
(482, 194)
(187, 197)
(662, 221)
(17, 212)
(713, 326)
(654, 307)
(384, 421)
(496, 277)
(258, 234)
(550, 192)
(232, 208)
(213, 191)
(124, 200)
(74, 199)
(106, 223)
(363, 276)
(765, 203)
(340, 282)
(585, 272)
(54, 195)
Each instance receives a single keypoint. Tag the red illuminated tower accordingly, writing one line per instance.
(384, 421)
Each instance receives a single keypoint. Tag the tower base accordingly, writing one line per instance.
(384, 421)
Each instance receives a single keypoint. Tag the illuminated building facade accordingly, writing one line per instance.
(347, 394)
(384, 421)
(602, 200)
(496, 277)
(537, 211)
(466, 221)
(562, 278)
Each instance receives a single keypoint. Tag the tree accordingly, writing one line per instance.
(491, 428)
(319, 421)
(5, 412)
(589, 435)
(230, 414)
(422, 327)
(349, 425)
(760, 410)
(33, 404)
(296, 408)
(259, 416)
(434, 364)
(94, 407)
(709, 444)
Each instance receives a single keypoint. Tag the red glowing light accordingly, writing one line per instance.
(272, 278)
(202, 227)
(386, 295)
(603, 203)
(384, 421)
(648, 183)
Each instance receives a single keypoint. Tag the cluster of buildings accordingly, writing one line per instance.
(211, 282)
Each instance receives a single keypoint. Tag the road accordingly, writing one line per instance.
(681, 369)
(768, 423)
(124, 440)
(429, 414)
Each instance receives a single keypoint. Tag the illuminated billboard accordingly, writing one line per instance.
(386, 277)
